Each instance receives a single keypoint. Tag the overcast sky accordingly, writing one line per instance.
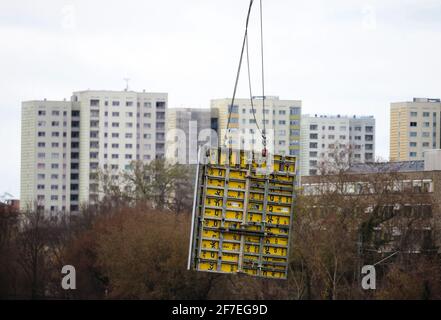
(337, 56)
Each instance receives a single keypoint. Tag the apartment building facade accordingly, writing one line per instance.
(282, 122)
(323, 135)
(66, 143)
(415, 127)
(187, 130)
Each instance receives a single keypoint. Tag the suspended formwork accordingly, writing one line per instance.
(243, 212)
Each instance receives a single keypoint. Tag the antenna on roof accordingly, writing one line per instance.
(127, 84)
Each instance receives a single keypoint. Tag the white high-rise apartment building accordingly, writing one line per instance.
(415, 127)
(322, 135)
(282, 121)
(65, 143)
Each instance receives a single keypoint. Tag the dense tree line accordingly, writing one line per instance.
(134, 245)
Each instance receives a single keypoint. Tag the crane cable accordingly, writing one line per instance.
(263, 80)
(230, 109)
(245, 46)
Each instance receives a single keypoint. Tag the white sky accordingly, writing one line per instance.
(338, 56)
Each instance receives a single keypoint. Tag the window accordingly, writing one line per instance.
(41, 113)
(294, 111)
(147, 115)
(369, 137)
(115, 156)
(426, 114)
(413, 134)
(40, 187)
(128, 156)
(426, 124)
(55, 113)
(313, 127)
(41, 144)
(129, 135)
(129, 114)
(282, 112)
(313, 145)
(313, 136)
(115, 103)
(342, 137)
(357, 138)
(115, 124)
(147, 104)
(232, 109)
(412, 144)
(115, 114)
(115, 135)
(282, 122)
(413, 124)
(414, 114)
(129, 125)
(94, 103)
(357, 129)
(115, 145)
(129, 146)
(313, 154)
(426, 144)
(129, 103)
(55, 144)
(412, 154)
(42, 123)
(147, 136)
(342, 128)
(332, 128)
(426, 134)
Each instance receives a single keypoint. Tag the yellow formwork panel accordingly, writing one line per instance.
(275, 251)
(232, 232)
(220, 193)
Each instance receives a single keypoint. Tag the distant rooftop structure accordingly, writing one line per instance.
(403, 166)
(338, 116)
(425, 100)
(431, 162)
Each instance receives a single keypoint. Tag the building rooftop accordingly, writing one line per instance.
(403, 166)
(338, 116)
(426, 100)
